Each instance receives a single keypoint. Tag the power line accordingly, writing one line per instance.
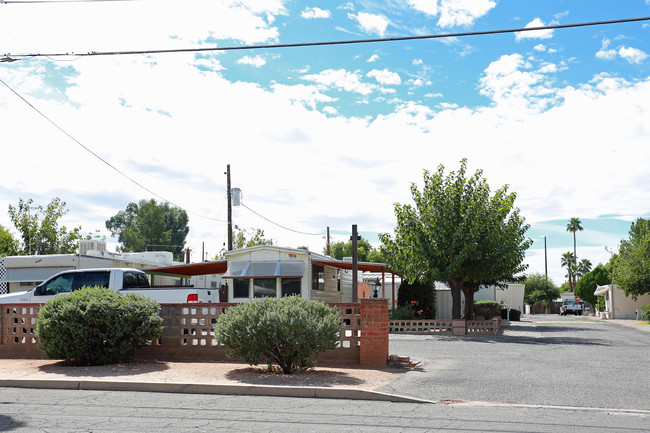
(99, 157)
(281, 226)
(7, 2)
(315, 44)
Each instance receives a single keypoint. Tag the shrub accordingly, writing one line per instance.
(287, 331)
(403, 313)
(487, 309)
(419, 297)
(645, 313)
(515, 315)
(95, 326)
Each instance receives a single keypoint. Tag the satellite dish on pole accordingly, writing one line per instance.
(236, 197)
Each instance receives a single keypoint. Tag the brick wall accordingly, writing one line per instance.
(374, 332)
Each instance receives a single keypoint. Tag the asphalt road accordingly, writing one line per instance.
(54, 411)
(543, 360)
(553, 374)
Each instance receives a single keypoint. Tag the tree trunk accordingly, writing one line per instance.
(469, 303)
(455, 297)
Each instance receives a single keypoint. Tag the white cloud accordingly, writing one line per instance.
(417, 62)
(385, 77)
(256, 61)
(429, 7)
(371, 23)
(534, 34)
(311, 13)
(373, 58)
(307, 95)
(341, 79)
(632, 55)
(454, 12)
(540, 47)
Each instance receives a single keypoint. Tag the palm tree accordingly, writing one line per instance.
(568, 261)
(573, 227)
(584, 267)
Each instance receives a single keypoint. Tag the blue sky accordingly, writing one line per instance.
(333, 135)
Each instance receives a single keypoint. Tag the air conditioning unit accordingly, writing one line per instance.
(88, 245)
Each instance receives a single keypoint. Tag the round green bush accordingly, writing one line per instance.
(288, 331)
(487, 309)
(95, 326)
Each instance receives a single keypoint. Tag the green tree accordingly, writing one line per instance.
(583, 268)
(39, 228)
(574, 226)
(459, 233)
(540, 290)
(149, 225)
(365, 251)
(631, 266)
(246, 239)
(586, 286)
(8, 245)
(568, 261)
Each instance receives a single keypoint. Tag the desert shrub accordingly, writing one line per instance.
(419, 297)
(487, 309)
(96, 326)
(645, 313)
(287, 331)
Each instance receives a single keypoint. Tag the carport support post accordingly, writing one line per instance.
(355, 263)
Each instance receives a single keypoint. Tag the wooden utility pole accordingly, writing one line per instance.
(229, 191)
(328, 241)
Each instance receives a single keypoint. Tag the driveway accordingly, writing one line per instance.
(542, 360)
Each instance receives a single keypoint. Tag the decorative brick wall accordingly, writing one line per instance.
(374, 332)
(188, 334)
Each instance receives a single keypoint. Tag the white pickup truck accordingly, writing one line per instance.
(121, 280)
(572, 307)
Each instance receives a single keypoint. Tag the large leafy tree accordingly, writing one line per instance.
(540, 290)
(39, 229)
(246, 239)
(365, 251)
(631, 266)
(149, 225)
(458, 232)
(8, 245)
(588, 283)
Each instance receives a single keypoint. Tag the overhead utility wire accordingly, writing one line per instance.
(281, 226)
(99, 157)
(7, 2)
(344, 42)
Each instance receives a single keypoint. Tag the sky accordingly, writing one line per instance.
(327, 136)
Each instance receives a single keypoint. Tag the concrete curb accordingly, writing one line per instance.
(207, 388)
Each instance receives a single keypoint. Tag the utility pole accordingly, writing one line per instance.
(545, 266)
(229, 208)
(328, 241)
(355, 263)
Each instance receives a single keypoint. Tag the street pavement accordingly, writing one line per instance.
(542, 360)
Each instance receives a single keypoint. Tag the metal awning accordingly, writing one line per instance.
(273, 269)
(190, 269)
(344, 264)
